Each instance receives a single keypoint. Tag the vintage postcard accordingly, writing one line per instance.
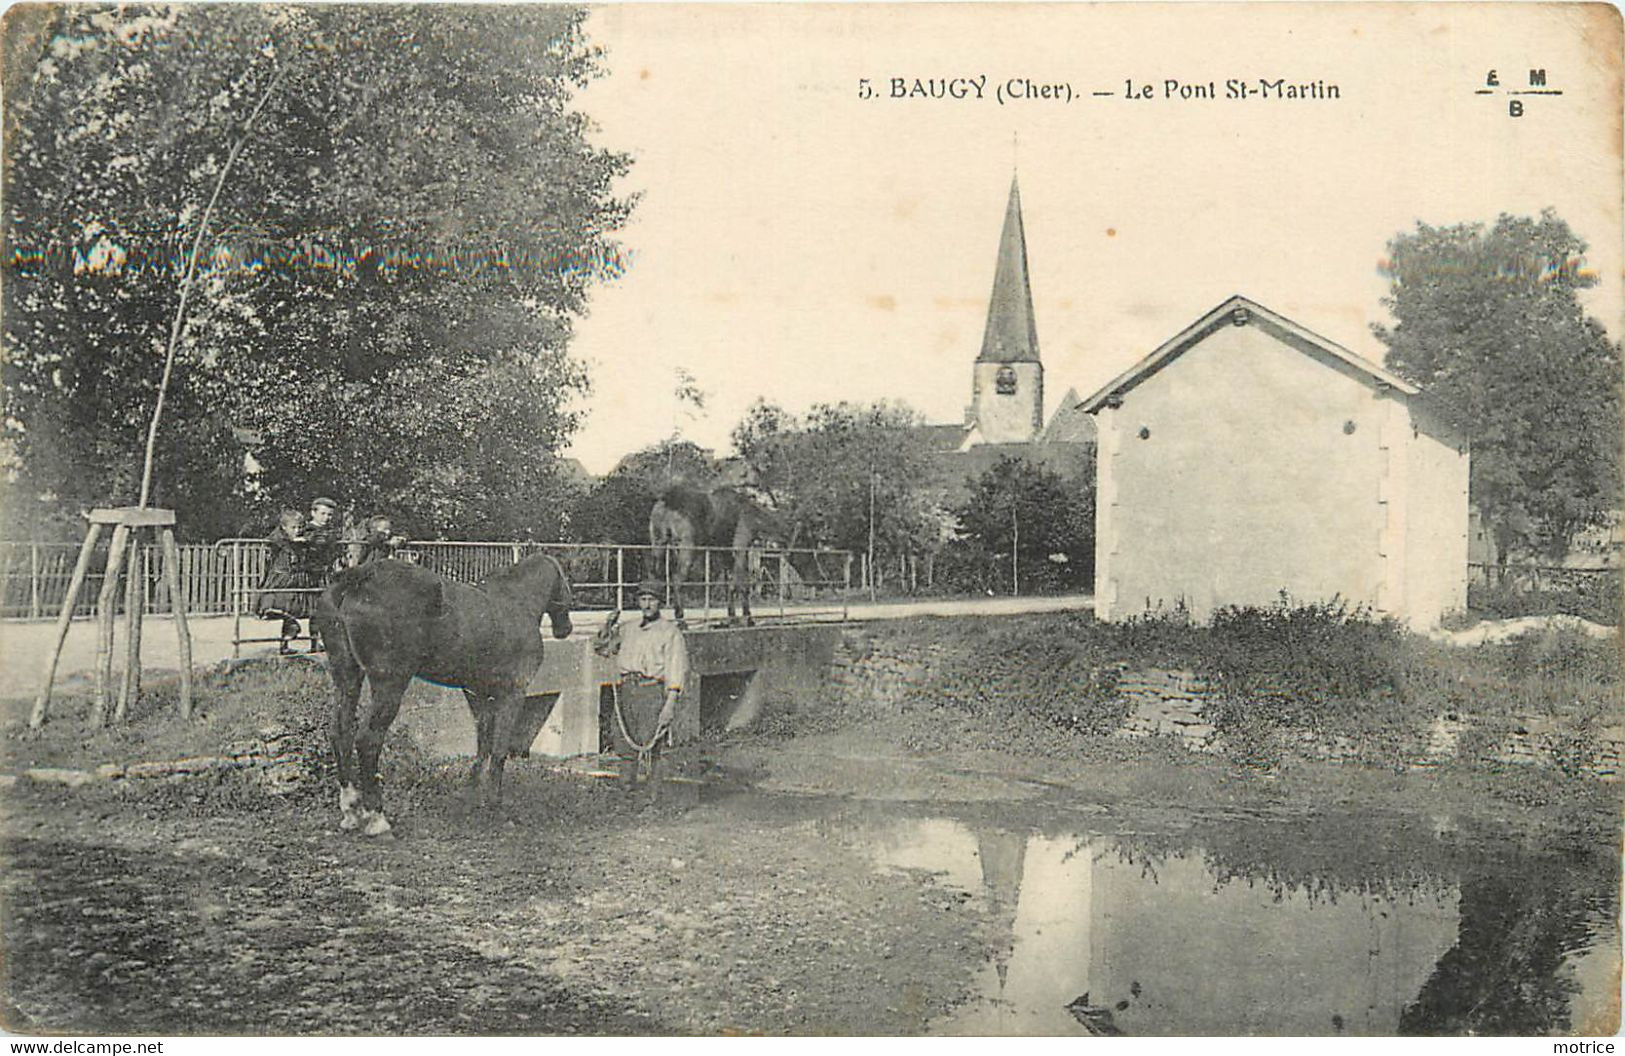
(865, 519)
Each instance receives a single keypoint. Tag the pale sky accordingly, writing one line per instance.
(797, 242)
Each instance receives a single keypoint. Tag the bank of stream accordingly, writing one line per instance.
(901, 867)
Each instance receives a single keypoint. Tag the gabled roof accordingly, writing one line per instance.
(947, 437)
(1255, 314)
(1069, 424)
(953, 472)
(1011, 335)
(573, 470)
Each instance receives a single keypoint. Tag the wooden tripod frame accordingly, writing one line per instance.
(127, 522)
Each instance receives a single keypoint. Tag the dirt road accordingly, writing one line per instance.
(175, 911)
(25, 644)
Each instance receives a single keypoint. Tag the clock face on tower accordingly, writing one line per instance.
(1004, 383)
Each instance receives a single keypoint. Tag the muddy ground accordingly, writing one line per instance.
(217, 905)
(155, 912)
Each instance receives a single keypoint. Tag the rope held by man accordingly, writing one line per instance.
(643, 750)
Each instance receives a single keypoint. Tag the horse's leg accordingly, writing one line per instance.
(387, 691)
(739, 579)
(347, 679)
(739, 582)
(686, 542)
(481, 710)
(504, 710)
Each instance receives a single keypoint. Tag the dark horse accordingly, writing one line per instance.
(388, 621)
(686, 518)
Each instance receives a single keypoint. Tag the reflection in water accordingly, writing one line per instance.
(1109, 935)
(1514, 966)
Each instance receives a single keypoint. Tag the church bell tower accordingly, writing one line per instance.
(1007, 381)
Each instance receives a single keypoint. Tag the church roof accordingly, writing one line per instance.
(1011, 335)
(1069, 424)
(953, 472)
(940, 438)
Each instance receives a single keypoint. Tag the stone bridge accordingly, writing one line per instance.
(732, 671)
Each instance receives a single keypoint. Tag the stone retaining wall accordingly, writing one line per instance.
(868, 670)
(871, 671)
(1172, 703)
(1167, 703)
(273, 757)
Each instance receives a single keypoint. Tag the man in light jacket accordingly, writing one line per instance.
(652, 659)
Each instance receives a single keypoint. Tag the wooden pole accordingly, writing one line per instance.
(177, 325)
(1015, 553)
(177, 602)
(42, 702)
(869, 566)
(33, 580)
(105, 604)
(236, 600)
(135, 604)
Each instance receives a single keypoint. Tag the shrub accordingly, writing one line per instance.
(1596, 598)
(1325, 669)
(1280, 676)
(1298, 661)
(1062, 672)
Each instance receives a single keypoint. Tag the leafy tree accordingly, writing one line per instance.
(1488, 323)
(767, 439)
(616, 509)
(827, 473)
(386, 295)
(1047, 521)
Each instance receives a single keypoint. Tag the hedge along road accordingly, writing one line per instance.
(24, 644)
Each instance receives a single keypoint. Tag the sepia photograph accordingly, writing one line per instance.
(1034, 520)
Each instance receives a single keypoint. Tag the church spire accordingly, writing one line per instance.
(1011, 335)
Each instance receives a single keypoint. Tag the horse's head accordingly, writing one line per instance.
(354, 540)
(559, 601)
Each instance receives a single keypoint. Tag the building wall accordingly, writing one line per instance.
(1246, 484)
(1008, 419)
(1438, 529)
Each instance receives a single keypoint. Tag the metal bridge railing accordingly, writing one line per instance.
(786, 585)
(34, 578)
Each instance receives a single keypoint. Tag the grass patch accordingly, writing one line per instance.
(231, 704)
(1596, 598)
(1277, 675)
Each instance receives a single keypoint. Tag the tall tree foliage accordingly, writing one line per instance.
(388, 289)
(616, 508)
(841, 469)
(1488, 322)
(1048, 523)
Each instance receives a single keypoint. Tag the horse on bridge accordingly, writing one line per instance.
(687, 518)
(387, 621)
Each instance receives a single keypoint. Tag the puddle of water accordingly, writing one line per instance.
(1255, 931)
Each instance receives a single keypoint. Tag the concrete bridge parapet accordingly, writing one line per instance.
(741, 673)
